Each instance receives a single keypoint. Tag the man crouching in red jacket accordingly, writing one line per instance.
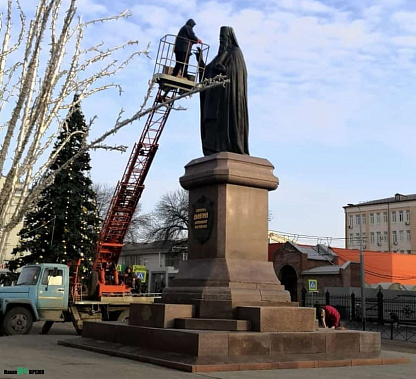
(330, 317)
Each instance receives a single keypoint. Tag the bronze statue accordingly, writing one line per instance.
(224, 113)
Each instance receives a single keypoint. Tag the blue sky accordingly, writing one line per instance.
(331, 99)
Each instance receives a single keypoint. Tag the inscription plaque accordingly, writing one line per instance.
(202, 219)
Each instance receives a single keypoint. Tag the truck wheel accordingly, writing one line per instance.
(124, 317)
(18, 320)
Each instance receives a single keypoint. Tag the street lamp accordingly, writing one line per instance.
(363, 305)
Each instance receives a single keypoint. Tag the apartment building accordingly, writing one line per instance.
(13, 237)
(387, 225)
(160, 258)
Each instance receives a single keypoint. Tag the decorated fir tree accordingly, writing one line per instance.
(63, 225)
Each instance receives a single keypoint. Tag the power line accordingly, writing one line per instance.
(296, 236)
(306, 236)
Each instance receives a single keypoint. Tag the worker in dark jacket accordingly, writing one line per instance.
(129, 277)
(184, 41)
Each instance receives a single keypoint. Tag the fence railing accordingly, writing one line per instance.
(394, 318)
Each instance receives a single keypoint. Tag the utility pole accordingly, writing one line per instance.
(362, 272)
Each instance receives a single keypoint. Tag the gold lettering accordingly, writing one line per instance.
(200, 216)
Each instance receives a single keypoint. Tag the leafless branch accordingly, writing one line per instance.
(53, 66)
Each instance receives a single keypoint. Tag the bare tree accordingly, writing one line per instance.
(138, 226)
(170, 220)
(104, 194)
(140, 222)
(41, 85)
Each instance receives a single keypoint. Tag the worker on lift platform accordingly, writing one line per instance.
(183, 43)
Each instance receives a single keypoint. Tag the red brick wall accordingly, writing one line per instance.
(287, 254)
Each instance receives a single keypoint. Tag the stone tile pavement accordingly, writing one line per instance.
(39, 352)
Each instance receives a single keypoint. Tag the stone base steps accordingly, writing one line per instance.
(212, 324)
(257, 318)
(259, 338)
(232, 346)
(213, 364)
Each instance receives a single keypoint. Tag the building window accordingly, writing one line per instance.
(394, 237)
(351, 239)
(407, 216)
(401, 235)
(372, 240)
(363, 219)
(49, 278)
(378, 218)
(401, 216)
(364, 241)
(371, 218)
(351, 221)
(357, 219)
(386, 234)
(409, 251)
(408, 235)
(385, 217)
(393, 216)
(379, 238)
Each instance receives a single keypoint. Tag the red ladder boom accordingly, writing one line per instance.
(126, 196)
(130, 188)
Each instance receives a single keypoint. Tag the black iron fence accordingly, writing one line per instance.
(394, 318)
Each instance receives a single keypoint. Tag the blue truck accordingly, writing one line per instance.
(42, 293)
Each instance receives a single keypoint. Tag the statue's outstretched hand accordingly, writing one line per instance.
(220, 68)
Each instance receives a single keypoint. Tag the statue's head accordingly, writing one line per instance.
(227, 39)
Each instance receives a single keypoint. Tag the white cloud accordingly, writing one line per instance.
(306, 7)
(91, 7)
(315, 7)
(406, 21)
(392, 3)
(322, 73)
(406, 41)
(373, 14)
(324, 76)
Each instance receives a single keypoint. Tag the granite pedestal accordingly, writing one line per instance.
(226, 308)
(227, 262)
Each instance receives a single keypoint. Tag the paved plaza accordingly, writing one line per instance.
(41, 352)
